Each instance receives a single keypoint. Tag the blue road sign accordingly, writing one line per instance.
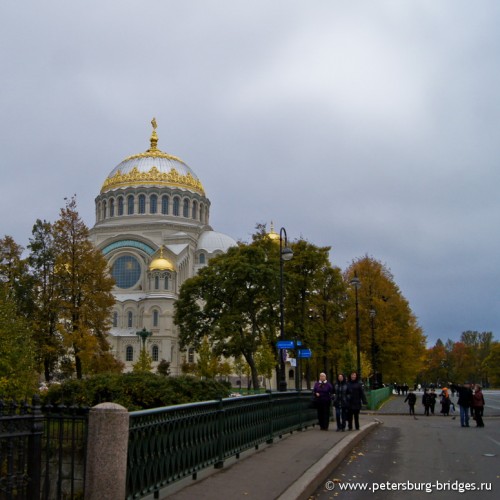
(304, 353)
(285, 344)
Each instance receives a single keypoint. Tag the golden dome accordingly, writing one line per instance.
(153, 168)
(161, 263)
(272, 235)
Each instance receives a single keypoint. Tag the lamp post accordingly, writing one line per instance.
(373, 313)
(285, 255)
(144, 334)
(356, 284)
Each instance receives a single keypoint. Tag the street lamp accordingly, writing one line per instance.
(144, 334)
(357, 284)
(285, 255)
(373, 313)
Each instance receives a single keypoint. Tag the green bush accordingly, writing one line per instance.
(135, 391)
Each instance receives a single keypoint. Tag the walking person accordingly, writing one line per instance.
(426, 401)
(340, 402)
(323, 399)
(478, 406)
(445, 402)
(433, 397)
(412, 399)
(356, 397)
(465, 403)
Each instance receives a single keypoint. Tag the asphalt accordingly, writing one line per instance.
(290, 468)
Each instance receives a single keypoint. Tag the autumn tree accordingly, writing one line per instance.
(84, 286)
(389, 331)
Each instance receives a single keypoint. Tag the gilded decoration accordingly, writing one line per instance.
(153, 177)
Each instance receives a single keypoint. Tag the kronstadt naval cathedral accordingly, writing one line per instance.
(153, 226)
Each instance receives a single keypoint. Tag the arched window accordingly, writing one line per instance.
(157, 282)
(194, 212)
(115, 319)
(166, 283)
(112, 207)
(120, 205)
(142, 204)
(202, 258)
(129, 353)
(130, 204)
(176, 205)
(153, 204)
(191, 355)
(165, 200)
(185, 208)
(104, 207)
(155, 317)
(154, 352)
(130, 319)
(202, 212)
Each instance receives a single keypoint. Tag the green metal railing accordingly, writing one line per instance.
(171, 443)
(378, 396)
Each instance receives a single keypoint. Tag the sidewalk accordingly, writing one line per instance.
(291, 468)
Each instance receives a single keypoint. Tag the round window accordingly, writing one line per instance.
(126, 271)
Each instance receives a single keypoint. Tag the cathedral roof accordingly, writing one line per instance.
(211, 241)
(153, 168)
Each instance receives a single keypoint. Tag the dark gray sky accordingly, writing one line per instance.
(369, 126)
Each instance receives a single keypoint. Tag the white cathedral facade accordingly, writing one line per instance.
(153, 226)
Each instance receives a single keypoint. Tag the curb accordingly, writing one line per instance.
(318, 473)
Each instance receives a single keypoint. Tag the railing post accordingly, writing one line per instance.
(270, 439)
(106, 471)
(220, 435)
(35, 450)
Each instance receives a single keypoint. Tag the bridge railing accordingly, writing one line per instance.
(171, 443)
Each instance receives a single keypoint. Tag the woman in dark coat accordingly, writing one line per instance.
(478, 406)
(340, 402)
(356, 397)
(323, 400)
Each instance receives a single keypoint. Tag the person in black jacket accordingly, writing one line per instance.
(412, 399)
(340, 402)
(426, 401)
(465, 402)
(355, 397)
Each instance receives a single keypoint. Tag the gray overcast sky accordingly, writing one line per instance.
(370, 126)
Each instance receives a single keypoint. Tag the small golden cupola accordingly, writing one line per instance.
(272, 234)
(160, 263)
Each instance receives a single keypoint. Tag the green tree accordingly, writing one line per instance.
(46, 302)
(15, 273)
(84, 288)
(233, 302)
(18, 375)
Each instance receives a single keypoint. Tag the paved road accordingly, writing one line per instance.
(423, 450)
